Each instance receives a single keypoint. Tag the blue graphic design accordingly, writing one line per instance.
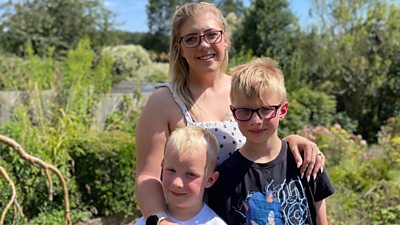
(263, 209)
(285, 204)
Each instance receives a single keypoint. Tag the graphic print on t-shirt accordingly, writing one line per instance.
(285, 205)
(263, 209)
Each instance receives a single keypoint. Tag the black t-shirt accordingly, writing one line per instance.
(252, 193)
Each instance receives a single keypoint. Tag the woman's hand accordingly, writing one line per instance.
(313, 158)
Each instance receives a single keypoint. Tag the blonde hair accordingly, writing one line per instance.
(255, 78)
(193, 138)
(179, 68)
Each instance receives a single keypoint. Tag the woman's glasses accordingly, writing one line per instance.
(194, 40)
(245, 114)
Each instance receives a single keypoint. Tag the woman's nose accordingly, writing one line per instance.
(203, 41)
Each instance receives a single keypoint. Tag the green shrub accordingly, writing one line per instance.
(50, 128)
(104, 170)
(389, 138)
(125, 118)
(127, 59)
(367, 191)
(154, 73)
(336, 143)
(56, 217)
(308, 107)
(13, 72)
(30, 181)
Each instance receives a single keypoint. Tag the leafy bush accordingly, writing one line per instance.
(58, 129)
(367, 192)
(154, 73)
(125, 118)
(389, 138)
(336, 143)
(126, 60)
(104, 172)
(307, 107)
(56, 217)
(12, 72)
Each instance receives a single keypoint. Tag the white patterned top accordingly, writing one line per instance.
(227, 132)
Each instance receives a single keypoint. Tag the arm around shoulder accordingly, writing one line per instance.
(320, 207)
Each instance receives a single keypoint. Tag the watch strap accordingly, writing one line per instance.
(161, 216)
(156, 218)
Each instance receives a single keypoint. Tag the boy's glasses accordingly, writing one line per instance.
(194, 40)
(245, 114)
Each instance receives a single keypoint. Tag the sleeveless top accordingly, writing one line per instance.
(227, 132)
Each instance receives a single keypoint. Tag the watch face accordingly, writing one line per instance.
(152, 220)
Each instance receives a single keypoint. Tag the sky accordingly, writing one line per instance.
(131, 14)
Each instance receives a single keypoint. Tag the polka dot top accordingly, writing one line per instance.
(227, 133)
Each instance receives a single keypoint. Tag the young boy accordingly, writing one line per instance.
(188, 168)
(260, 183)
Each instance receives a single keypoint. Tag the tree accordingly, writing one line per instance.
(230, 6)
(356, 44)
(159, 15)
(58, 23)
(267, 29)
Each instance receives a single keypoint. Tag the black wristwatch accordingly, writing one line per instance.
(155, 219)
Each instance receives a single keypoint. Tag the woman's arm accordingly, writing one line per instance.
(314, 160)
(151, 134)
(320, 207)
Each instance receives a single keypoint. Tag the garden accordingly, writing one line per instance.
(343, 82)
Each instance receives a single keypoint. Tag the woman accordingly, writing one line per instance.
(197, 95)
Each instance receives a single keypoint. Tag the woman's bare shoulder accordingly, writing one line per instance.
(161, 96)
(162, 102)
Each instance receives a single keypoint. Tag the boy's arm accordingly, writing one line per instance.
(320, 207)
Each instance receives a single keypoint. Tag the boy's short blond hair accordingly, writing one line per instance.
(257, 77)
(193, 138)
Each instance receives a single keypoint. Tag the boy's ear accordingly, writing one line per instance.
(283, 110)
(212, 179)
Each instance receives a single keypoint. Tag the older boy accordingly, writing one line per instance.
(190, 159)
(260, 183)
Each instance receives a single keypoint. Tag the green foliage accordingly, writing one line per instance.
(336, 143)
(55, 126)
(19, 74)
(12, 72)
(154, 73)
(107, 189)
(127, 59)
(366, 190)
(56, 217)
(356, 44)
(157, 42)
(58, 23)
(268, 29)
(389, 138)
(307, 108)
(241, 57)
(125, 118)
(30, 181)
